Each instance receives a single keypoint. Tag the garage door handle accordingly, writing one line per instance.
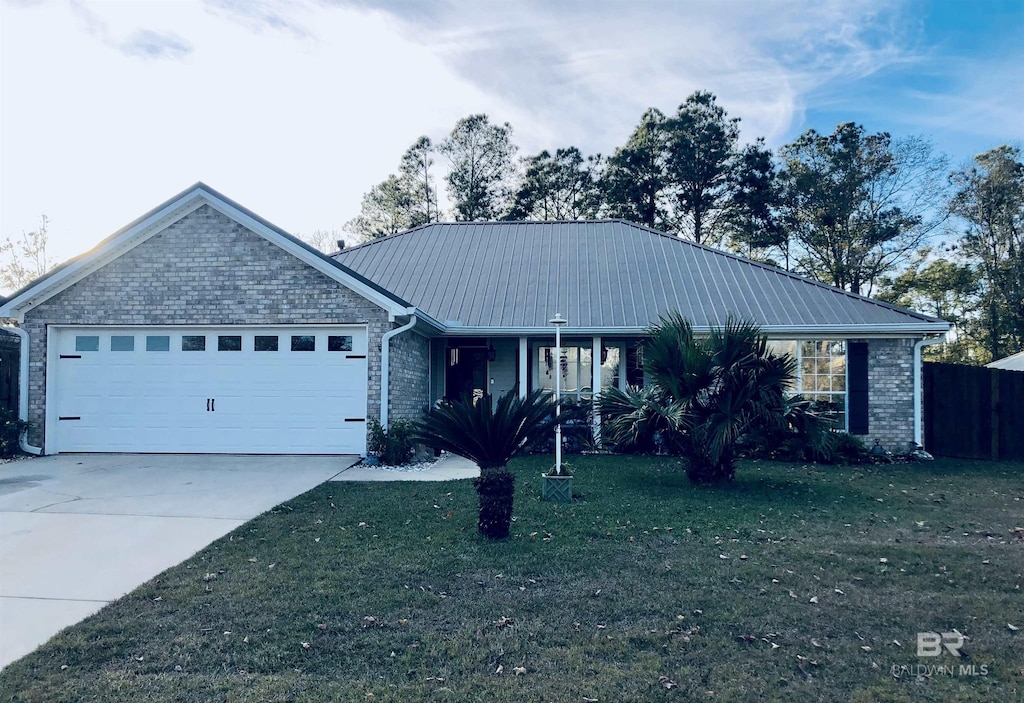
(207, 405)
(213, 404)
(355, 419)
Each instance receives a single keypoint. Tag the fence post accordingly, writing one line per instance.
(994, 381)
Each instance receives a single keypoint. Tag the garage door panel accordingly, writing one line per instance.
(155, 397)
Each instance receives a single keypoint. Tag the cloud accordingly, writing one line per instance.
(155, 45)
(142, 43)
(273, 15)
(592, 68)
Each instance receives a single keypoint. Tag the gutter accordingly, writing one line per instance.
(774, 332)
(385, 364)
(23, 390)
(918, 391)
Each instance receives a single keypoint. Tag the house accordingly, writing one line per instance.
(201, 327)
(1014, 362)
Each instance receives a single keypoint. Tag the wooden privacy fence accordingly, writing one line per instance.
(974, 412)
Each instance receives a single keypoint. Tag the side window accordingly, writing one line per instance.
(303, 342)
(339, 343)
(158, 343)
(122, 342)
(87, 342)
(193, 342)
(229, 342)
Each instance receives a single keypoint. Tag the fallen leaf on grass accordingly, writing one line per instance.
(519, 670)
(504, 621)
(667, 682)
(1012, 628)
(499, 669)
(306, 645)
(814, 599)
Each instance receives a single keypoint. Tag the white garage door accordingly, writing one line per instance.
(250, 390)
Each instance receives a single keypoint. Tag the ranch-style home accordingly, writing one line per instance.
(201, 327)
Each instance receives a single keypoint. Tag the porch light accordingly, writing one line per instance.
(492, 353)
(558, 321)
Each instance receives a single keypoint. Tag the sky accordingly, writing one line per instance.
(295, 108)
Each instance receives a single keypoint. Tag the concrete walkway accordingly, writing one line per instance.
(448, 468)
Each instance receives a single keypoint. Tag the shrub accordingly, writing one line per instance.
(395, 445)
(708, 394)
(11, 428)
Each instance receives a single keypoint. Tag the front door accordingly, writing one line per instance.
(466, 373)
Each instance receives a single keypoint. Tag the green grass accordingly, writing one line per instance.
(398, 599)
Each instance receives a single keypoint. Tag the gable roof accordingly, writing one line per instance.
(172, 210)
(607, 275)
(1014, 362)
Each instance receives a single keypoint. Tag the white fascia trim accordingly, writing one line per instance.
(371, 294)
(779, 331)
(97, 258)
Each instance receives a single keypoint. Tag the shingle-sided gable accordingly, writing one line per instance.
(602, 275)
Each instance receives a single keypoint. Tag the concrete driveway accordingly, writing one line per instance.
(80, 530)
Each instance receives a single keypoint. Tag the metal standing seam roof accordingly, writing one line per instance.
(599, 274)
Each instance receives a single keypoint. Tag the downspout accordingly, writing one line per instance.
(918, 392)
(23, 389)
(385, 367)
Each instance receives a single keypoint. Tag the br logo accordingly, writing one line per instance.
(930, 644)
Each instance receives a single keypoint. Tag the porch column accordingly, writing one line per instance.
(523, 361)
(595, 385)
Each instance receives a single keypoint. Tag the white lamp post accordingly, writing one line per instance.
(558, 321)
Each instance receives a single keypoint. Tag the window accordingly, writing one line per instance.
(303, 342)
(120, 343)
(339, 343)
(229, 342)
(575, 367)
(820, 375)
(193, 342)
(158, 342)
(265, 342)
(87, 342)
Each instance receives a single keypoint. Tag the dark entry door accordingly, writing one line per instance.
(467, 373)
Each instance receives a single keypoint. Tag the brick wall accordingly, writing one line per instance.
(409, 387)
(205, 269)
(890, 393)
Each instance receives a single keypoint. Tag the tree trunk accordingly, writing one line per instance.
(496, 488)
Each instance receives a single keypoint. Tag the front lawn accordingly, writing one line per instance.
(797, 583)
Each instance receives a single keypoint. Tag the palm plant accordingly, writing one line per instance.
(490, 435)
(708, 392)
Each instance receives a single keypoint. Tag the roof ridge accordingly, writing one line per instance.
(450, 223)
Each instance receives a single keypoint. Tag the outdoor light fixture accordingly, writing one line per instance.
(492, 353)
(558, 321)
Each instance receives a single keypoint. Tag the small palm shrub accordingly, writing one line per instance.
(489, 434)
(708, 394)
